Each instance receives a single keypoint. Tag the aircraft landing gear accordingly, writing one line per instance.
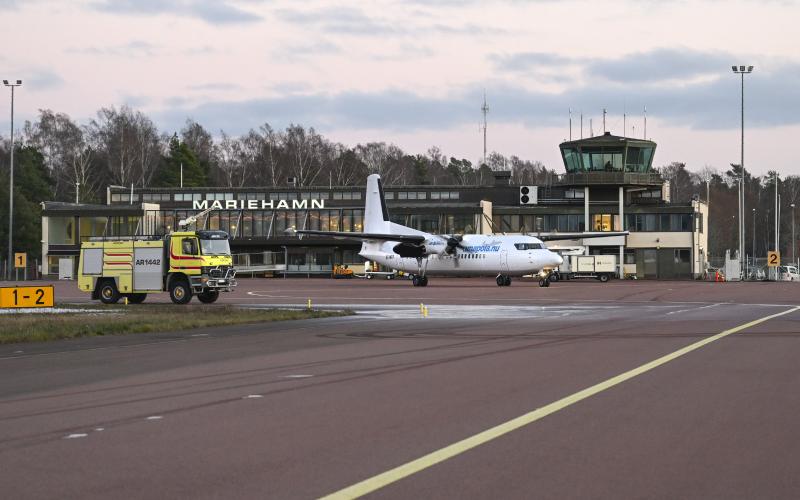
(420, 279)
(503, 280)
(544, 282)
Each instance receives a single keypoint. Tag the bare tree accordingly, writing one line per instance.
(66, 154)
(382, 159)
(128, 142)
(228, 158)
(303, 151)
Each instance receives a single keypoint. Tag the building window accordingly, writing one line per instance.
(574, 194)
(389, 195)
(682, 256)
(602, 222)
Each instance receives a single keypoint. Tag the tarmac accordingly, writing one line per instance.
(618, 390)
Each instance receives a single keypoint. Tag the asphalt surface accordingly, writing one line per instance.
(304, 409)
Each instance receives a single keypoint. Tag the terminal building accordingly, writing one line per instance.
(608, 185)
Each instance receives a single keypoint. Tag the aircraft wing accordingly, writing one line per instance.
(403, 238)
(577, 236)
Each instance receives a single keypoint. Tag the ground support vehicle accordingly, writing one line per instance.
(183, 263)
(342, 272)
(601, 267)
(372, 269)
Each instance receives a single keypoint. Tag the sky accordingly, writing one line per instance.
(414, 72)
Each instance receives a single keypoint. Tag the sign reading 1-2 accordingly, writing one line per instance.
(26, 296)
(20, 260)
(773, 259)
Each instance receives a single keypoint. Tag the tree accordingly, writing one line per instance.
(200, 142)
(32, 185)
(179, 158)
(66, 155)
(128, 143)
(228, 158)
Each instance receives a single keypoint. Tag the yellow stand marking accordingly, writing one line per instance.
(386, 478)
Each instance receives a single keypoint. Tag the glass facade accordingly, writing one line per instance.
(607, 159)
(61, 230)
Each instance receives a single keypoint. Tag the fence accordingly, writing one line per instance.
(30, 272)
(260, 262)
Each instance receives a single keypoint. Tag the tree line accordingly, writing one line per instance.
(61, 160)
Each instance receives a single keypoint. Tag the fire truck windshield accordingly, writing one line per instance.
(215, 247)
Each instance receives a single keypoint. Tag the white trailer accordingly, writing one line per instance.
(601, 267)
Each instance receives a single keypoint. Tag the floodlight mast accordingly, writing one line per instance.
(11, 183)
(742, 70)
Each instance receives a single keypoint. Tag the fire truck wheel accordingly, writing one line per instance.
(137, 298)
(108, 292)
(180, 292)
(208, 296)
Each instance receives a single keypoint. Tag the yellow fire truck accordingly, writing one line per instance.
(184, 263)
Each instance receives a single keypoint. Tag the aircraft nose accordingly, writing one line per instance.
(558, 260)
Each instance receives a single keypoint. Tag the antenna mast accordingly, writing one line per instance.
(581, 124)
(604, 120)
(485, 110)
(570, 124)
(645, 123)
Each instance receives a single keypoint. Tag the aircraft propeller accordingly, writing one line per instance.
(453, 242)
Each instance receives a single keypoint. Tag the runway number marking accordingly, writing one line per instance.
(386, 478)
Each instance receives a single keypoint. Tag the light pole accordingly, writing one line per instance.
(793, 242)
(754, 240)
(11, 181)
(742, 70)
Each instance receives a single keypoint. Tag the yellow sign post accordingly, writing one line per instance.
(20, 260)
(773, 258)
(26, 296)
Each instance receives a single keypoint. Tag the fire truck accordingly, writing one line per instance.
(183, 263)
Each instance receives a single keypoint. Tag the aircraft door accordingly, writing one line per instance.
(504, 260)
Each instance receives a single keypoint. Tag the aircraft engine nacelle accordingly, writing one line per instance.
(411, 250)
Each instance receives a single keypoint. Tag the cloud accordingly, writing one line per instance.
(771, 100)
(131, 49)
(658, 65)
(210, 11)
(40, 79)
(214, 86)
(322, 47)
(661, 65)
(353, 21)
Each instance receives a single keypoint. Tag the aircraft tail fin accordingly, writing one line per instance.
(376, 217)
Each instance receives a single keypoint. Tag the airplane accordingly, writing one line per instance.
(419, 253)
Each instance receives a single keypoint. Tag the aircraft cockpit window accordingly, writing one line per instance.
(529, 246)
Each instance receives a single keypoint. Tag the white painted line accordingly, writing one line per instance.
(154, 417)
(410, 468)
(298, 376)
(75, 436)
(99, 429)
(18, 352)
(253, 396)
(199, 335)
(693, 309)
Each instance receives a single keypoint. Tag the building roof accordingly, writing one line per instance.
(56, 208)
(606, 140)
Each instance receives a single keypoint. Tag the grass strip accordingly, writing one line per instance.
(121, 320)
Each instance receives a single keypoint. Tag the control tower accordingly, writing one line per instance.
(607, 168)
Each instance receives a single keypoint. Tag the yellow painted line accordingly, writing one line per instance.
(386, 478)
